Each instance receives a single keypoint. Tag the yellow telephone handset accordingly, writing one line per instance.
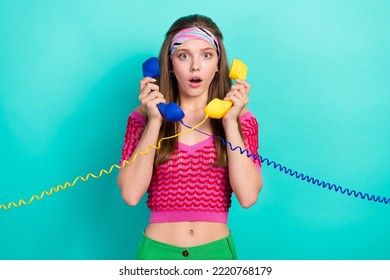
(217, 108)
(238, 70)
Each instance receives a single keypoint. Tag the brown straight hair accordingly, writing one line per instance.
(219, 87)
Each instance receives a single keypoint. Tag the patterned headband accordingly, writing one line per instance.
(193, 33)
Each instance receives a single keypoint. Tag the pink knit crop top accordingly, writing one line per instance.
(188, 187)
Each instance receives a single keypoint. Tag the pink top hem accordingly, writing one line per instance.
(165, 216)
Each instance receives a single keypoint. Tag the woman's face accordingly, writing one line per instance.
(195, 63)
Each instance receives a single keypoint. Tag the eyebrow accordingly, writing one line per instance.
(204, 49)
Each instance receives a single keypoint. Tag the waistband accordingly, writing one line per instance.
(188, 216)
(221, 249)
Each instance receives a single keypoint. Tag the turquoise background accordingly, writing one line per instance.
(319, 70)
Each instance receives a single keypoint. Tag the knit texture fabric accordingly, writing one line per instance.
(188, 187)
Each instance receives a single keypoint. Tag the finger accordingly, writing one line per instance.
(246, 85)
(231, 93)
(237, 102)
(149, 88)
(147, 85)
(243, 98)
(158, 100)
(237, 92)
(145, 81)
(243, 82)
(152, 104)
(150, 96)
(238, 98)
(240, 87)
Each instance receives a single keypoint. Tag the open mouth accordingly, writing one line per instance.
(195, 80)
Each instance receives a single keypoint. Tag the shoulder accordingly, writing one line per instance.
(141, 111)
(249, 125)
(139, 115)
(246, 115)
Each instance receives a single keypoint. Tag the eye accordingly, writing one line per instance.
(207, 55)
(182, 56)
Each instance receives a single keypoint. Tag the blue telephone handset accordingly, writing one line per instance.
(171, 111)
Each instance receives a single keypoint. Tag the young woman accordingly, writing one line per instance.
(190, 180)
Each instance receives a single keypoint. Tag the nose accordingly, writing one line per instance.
(195, 65)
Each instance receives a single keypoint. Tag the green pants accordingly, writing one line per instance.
(222, 249)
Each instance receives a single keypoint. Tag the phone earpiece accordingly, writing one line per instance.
(151, 68)
(171, 111)
(217, 108)
(238, 70)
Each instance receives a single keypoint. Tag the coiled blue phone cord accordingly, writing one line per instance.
(298, 175)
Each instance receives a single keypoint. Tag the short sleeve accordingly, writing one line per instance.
(250, 131)
(134, 130)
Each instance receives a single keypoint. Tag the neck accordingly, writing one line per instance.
(193, 103)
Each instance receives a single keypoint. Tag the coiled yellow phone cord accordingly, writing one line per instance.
(86, 178)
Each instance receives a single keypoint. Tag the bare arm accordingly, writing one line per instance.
(134, 179)
(245, 178)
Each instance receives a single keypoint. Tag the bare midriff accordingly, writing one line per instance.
(187, 234)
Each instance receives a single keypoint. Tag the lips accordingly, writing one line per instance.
(195, 81)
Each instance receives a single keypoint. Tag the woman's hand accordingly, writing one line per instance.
(238, 94)
(149, 97)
